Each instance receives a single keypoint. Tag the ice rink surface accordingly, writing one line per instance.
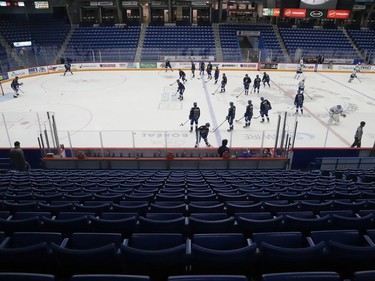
(141, 109)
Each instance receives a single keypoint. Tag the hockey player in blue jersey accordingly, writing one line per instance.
(193, 69)
(246, 83)
(68, 68)
(298, 101)
(202, 133)
(248, 114)
(216, 74)
(224, 82)
(231, 115)
(265, 106)
(209, 70)
(256, 84)
(168, 65)
(182, 75)
(201, 68)
(194, 115)
(180, 90)
(266, 79)
(15, 85)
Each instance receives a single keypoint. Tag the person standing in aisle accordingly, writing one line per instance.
(223, 149)
(17, 158)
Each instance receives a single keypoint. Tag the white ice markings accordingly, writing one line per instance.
(212, 113)
(369, 97)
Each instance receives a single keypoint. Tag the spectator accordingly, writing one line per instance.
(266, 152)
(223, 148)
(17, 158)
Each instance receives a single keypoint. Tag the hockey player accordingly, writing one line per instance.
(353, 75)
(248, 114)
(202, 133)
(246, 83)
(194, 115)
(265, 106)
(67, 66)
(231, 115)
(266, 79)
(209, 71)
(301, 85)
(334, 114)
(201, 68)
(358, 67)
(182, 75)
(180, 90)
(299, 72)
(217, 73)
(224, 81)
(193, 69)
(168, 65)
(298, 101)
(301, 62)
(256, 84)
(15, 85)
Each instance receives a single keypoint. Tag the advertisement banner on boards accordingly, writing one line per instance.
(4, 76)
(268, 66)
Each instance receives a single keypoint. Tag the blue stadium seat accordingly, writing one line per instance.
(302, 276)
(224, 253)
(108, 277)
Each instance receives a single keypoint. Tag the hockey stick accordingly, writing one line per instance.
(173, 83)
(358, 79)
(219, 125)
(240, 119)
(21, 91)
(208, 80)
(240, 93)
(175, 93)
(216, 89)
(256, 117)
(308, 95)
(182, 124)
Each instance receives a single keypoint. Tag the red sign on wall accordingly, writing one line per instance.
(338, 14)
(276, 12)
(294, 13)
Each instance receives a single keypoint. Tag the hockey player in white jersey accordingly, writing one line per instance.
(301, 85)
(299, 72)
(353, 75)
(357, 68)
(334, 114)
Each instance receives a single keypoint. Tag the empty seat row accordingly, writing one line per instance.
(127, 221)
(163, 254)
